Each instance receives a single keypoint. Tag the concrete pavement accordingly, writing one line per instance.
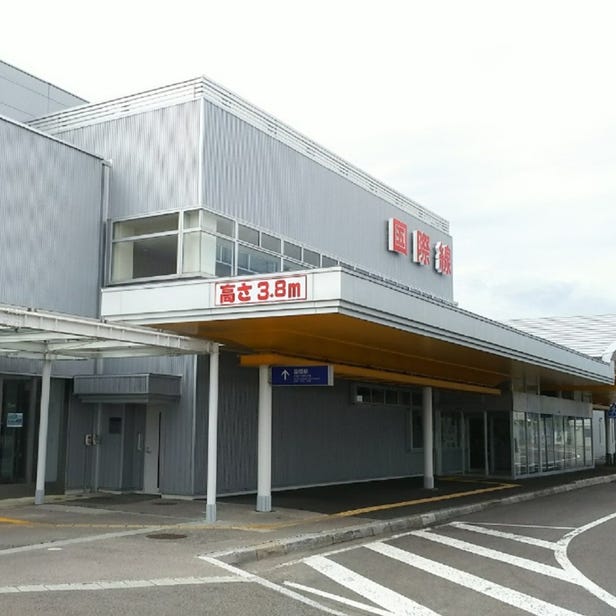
(302, 520)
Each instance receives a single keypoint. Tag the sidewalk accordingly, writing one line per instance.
(302, 519)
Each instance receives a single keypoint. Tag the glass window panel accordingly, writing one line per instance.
(191, 219)
(207, 254)
(269, 242)
(247, 234)
(156, 256)
(405, 398)
(311, 257)
(378, 396)
(363, 394)
(520, 460)
(292, 250)
(145, 226)
(450, 430)
(250, 261)
(328, 261)
(588, 442)
(290, 266)
(219, 224)
(391, 397)
(532, 435)
(569, 442)
(579, 442)
(559, 443)
(547, 442)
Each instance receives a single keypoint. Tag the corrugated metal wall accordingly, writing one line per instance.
(254, 177)
(154, 158)
(319, 436)
(50, 200)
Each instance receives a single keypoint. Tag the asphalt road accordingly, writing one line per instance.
(553, 556)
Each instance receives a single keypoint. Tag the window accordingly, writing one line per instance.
(199, 242)
(145, 247)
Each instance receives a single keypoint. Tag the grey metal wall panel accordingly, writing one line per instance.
(178, 418)
(23, 96)
(254, 177)
(79, 458)
(51, 206)
(154, 157)
(318, 435)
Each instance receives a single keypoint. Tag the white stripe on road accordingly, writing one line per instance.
(524, 602)
(574, 572)
(328, 595)
(251, 577)
(526, 525)
(509, 559)
(118, 584)
(394, 602)
(76, 540)
(548, 545)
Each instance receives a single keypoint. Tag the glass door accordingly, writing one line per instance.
(17, 427)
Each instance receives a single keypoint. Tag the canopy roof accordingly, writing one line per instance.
(37, 334)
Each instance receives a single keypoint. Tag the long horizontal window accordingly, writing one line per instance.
(199, 242)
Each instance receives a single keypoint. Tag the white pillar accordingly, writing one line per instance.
(41, 466)
(212, 437)
(264, 444)
(428, 439)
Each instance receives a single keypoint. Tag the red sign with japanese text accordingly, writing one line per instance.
(421, 248)
(397, 236)
(260, 291)
(442, 258)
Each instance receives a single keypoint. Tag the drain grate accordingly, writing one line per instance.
(167, 536)
(165, 502)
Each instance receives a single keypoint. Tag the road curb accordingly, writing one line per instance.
(377, 528)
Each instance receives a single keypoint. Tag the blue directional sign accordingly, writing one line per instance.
(612, 411)
(302, 375)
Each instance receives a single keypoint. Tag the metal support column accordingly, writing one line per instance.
(41, 466)
(264, 445)
(428, 439)
(485, 444)
(212, 437)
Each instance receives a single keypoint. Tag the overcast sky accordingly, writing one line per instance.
(499, 116)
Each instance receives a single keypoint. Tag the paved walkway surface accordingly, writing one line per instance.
(301, 519)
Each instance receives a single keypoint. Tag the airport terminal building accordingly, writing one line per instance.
(333, 350)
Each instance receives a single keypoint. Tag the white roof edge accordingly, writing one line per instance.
(201, 87)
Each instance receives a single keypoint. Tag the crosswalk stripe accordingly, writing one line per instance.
(548, 545)
(517, 599)
(385, 597)
(328, 595)
(510, 559)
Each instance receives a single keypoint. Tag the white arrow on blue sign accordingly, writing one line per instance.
(302, 375)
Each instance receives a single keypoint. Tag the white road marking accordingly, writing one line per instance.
(394, 602)
(328, 595)
(251, 577)
(526, 525)
(509, 559)
(517, 599)
(76, 540)
(548, 545)
(574, 572)
(118, 584)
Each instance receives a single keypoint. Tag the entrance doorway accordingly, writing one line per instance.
(18, 425)
(475, 443)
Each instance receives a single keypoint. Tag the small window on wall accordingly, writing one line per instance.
(115, 425)
(145, 247)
